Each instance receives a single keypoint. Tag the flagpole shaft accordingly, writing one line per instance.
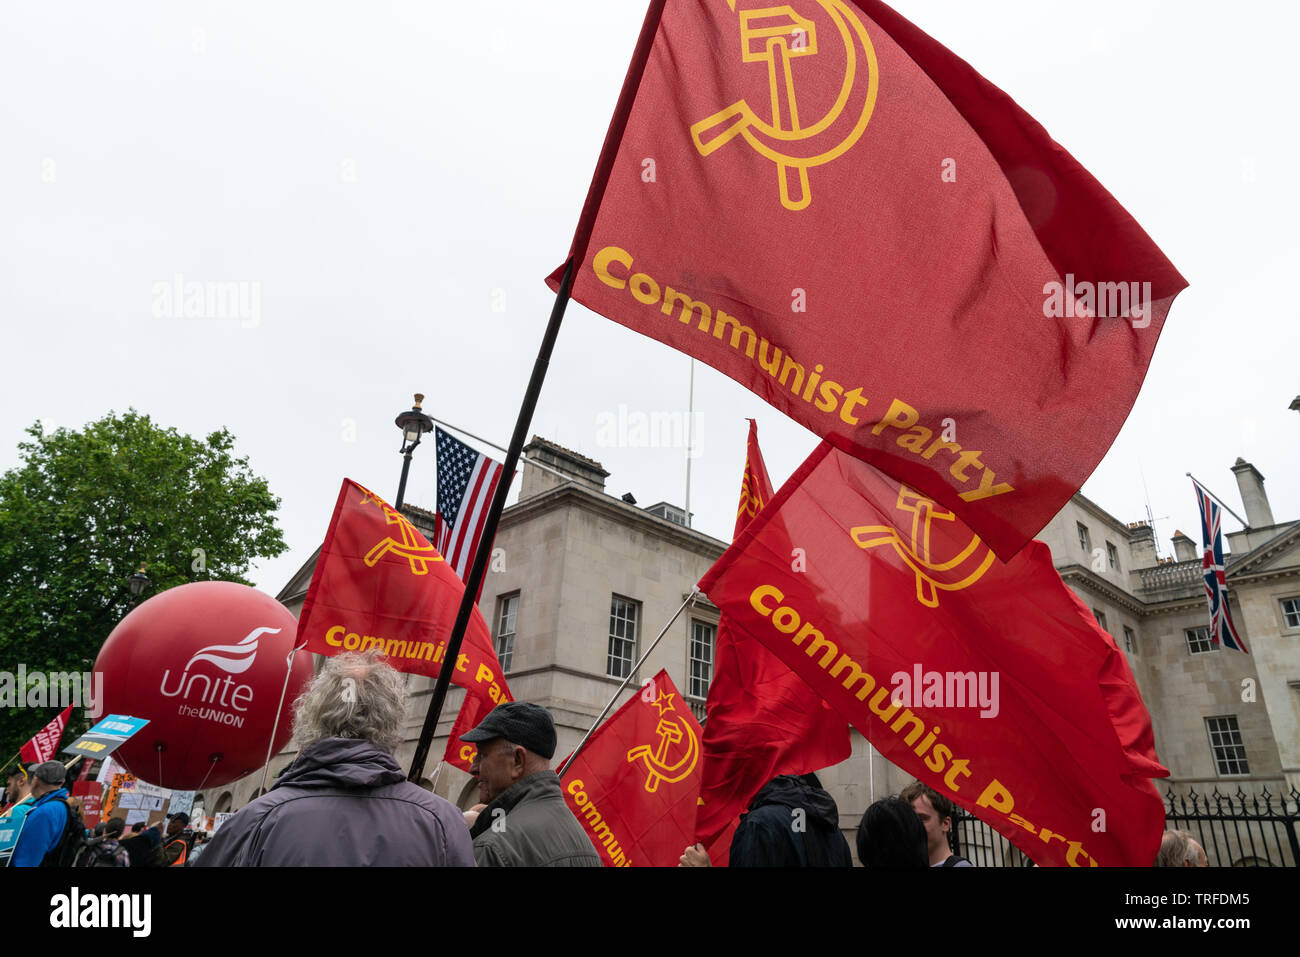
(1219, 500)
(690, 415)
(275, 725)
(479, 565)
(17, 754)
(635, 668)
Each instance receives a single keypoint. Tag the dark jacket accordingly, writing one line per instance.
(534, 828)
(343, 802)
(772, 833)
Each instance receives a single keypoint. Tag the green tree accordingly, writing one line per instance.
(81, 514)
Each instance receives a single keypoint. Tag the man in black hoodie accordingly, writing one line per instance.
(792, 822)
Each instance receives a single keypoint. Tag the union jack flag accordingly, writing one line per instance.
(1222, 629)
(467, 480)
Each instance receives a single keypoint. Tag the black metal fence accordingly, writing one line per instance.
(1240, 830)
(1236, 830)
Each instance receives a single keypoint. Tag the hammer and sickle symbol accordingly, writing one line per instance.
(968, 563)
(777, 35)
(670, 732)
(419, 556)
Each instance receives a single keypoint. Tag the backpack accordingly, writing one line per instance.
(94, 854)
(70, 842)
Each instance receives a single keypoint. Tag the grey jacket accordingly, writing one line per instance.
(343, 802)
(533, 828)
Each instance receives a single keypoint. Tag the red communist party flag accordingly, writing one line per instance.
(476, 706)
(45, 742)
(831, 208)
(762, 718)
(989, 681)
(379, 584)
(635, 784)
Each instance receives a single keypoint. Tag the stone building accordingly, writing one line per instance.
(583, 581)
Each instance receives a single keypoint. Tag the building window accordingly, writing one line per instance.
(1130, 641)
(507, 609)
(1112, 556)
(703, 639)
(1198, 641)
(622, 637)
(1226, 746)
(1101, 619)
(1291, 612)
(1085, 540)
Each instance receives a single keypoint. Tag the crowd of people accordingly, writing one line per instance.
(51, 831)
(345, 782)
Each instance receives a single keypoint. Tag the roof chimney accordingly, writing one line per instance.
(580, 469)
(1141, 545)
(1253, 496)
(1184, 547)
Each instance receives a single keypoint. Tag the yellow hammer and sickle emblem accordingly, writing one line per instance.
(419, 556)
(967, 563)
(670, 732)
(751, 503)
(777, 35)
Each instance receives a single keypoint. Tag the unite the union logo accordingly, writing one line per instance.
(776, 36)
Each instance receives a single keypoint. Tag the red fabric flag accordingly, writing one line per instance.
(379, 584)
(990, 681)
(635, 785)
(45, 742)
(826, 205)
(763, 719)
(473, 709)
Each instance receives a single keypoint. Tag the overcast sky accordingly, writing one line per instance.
(394, 180)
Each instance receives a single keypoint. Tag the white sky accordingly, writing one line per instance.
(387, 171)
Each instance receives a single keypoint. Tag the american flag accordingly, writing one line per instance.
(467, 481)
(1216, 585)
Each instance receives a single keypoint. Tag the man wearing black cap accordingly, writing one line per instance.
(523, 820)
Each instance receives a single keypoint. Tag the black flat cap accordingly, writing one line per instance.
(519, 722)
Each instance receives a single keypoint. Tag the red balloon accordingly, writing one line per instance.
(205, 663)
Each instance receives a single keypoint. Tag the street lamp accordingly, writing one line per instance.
(138, 583)
(413, 425)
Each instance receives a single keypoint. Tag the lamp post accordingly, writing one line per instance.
(413, 425)
(138, 583)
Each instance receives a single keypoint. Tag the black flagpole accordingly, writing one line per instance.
(490, 527)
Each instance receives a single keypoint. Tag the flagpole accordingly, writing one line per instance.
(601, 717)
(481, 555)
(1220, 501)
(275, 725)
(690, 414)
(17, 754)
(478, 438)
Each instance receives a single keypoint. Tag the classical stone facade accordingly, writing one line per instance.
(582, 582)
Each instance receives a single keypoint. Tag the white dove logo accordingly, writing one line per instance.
(236, 658)
(213, 692)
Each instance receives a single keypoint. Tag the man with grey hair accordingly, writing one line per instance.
(1180, 849)
(344, 800)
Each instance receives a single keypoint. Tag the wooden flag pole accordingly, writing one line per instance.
(481, 555)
